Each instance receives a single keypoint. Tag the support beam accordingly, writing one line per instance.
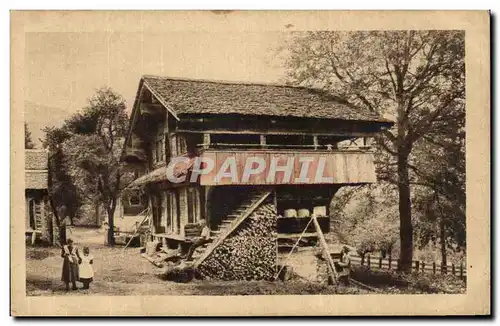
(325, 251)
(206, 140)
(263, 141)
(315, 142)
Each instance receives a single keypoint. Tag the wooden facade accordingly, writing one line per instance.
(320, 167)
(39, 218)
(194, 120)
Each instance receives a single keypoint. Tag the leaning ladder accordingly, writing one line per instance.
(146, 216)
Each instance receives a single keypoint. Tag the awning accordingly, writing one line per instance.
(160, 174)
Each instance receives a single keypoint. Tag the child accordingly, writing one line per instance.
(71, 258)
(86, 270)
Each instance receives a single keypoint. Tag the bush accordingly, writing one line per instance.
(393, 281)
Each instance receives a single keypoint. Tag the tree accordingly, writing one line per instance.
(28, 142)
(440, 170)
(63, 194)
(368, 218)
(85, 157)
(93, 152)
(415, 77)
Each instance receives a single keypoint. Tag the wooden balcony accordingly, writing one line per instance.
(231, 167)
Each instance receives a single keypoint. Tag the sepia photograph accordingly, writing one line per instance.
(230, 163)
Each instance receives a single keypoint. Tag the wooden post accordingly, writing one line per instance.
(423, 267)
(263, 141)
(453, 269)
(390, 262)
(326, 253)
(417, 266)
(368, 262)
(380, 262)
(363, 260)
(434, 268)
(461, 270)
(315, 142)
(444, 269)
(206, 141)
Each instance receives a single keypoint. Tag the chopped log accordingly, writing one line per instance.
(249, 253)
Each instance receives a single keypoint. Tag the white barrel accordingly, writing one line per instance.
(303, 212)
(319, 211)
(290, 213)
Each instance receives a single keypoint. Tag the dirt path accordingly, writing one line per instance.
(125, 272)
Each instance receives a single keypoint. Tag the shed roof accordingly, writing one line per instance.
(36, 168)
(36, 159)
(36, 179)
(192, 96)
(160, 174)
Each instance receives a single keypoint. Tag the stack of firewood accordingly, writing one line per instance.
(249, 253)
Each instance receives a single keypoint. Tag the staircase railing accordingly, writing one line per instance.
(231, 228)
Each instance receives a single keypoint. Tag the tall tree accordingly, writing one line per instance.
(415, 77)
(28, 142)
(93, 151)
(439, 167)
(65, 200)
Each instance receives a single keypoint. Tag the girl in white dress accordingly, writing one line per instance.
(86, 269)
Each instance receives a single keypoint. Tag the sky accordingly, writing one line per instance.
(63, 69)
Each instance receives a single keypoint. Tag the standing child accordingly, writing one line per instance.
(86, 270)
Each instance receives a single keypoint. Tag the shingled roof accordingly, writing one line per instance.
(36, 168)
(191, 96)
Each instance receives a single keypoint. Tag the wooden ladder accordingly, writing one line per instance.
(234, 225)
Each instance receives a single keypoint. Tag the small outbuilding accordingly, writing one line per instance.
(40, 224)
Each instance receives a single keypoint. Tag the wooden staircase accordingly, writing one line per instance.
(229, 223)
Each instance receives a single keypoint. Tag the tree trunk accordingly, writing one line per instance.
(406, 228)
(96, 211)
(442, 236)
(111, 223)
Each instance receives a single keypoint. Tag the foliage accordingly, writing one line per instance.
(367, 218)
(65, 200)
(87, 151)
(415, 77)
(28, 142)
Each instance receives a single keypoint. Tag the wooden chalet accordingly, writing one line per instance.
(40, 226)
(174, 118)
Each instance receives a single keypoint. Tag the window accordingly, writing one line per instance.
(135, 198)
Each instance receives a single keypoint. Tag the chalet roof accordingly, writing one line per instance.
(191, 96)
(160, 174)
(36, 168)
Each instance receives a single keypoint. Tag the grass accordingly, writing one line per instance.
(394, 282)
